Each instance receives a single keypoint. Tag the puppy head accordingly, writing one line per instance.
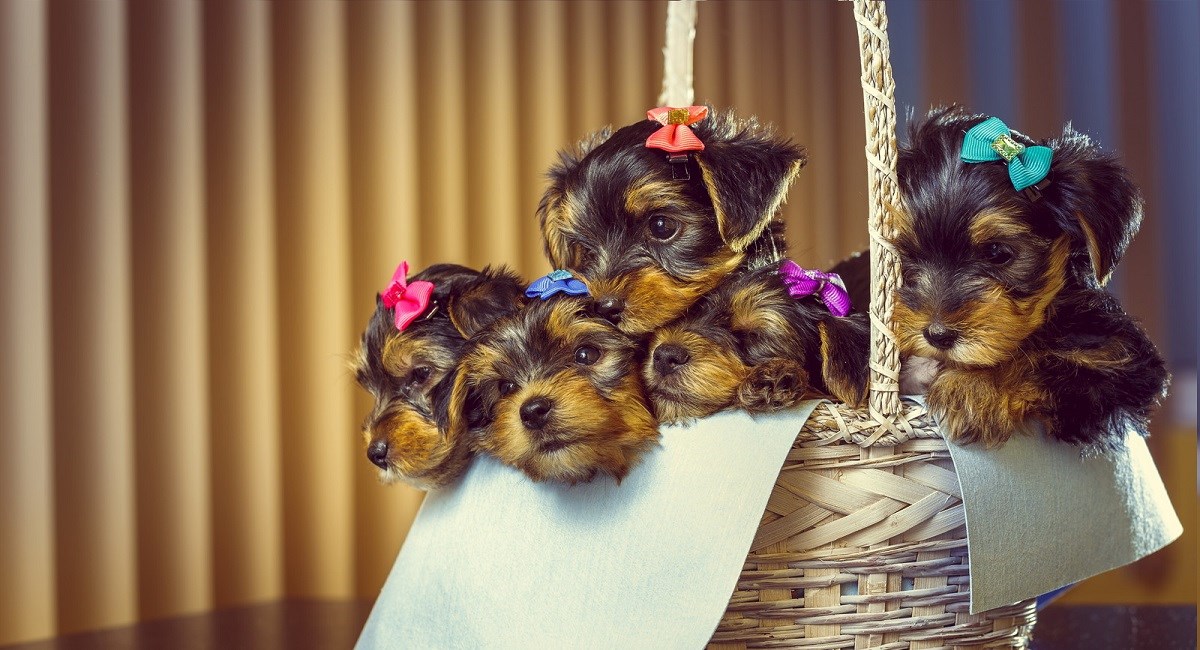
(751, 344)
(649, 246)
(410, 373)
(560, 392)
(982, 261)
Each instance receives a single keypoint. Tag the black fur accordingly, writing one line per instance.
(1084, 367)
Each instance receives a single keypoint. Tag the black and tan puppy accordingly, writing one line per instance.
(1003, 272)
(752, 344)
(650, 236)
(410, 372)
(560, 391)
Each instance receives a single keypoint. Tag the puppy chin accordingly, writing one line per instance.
(672, 406)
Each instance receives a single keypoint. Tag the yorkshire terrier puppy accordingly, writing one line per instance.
(408, 362)
(1005, 244)
(761, 341)
(560, 392)
(656, 214)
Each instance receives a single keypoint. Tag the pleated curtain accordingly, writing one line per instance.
(198, 202)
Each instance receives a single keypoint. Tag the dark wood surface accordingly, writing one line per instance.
(304, 624)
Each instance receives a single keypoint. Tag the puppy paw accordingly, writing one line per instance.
(977, 406)
(773, 385)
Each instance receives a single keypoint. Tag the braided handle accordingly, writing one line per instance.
(677, 87)
(880, 117)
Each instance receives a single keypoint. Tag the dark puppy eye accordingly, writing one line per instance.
(507, 387)
(419, 375)
(998, 254)
(663, 228)
(586, 355)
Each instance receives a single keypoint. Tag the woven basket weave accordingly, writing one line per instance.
(863, 543)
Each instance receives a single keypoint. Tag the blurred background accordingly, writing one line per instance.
(198, 202)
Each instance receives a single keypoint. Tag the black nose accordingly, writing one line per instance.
(535, 411)
(940, 336)
(669, 357)
(610, 309)
(377, 452)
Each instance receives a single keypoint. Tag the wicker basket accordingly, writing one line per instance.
(863, 543)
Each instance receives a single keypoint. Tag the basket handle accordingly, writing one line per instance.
(879, 112)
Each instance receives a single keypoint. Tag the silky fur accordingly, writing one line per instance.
(1020, 280)
(411, 373)
(598, 423)
(595, 215)
(751, 345)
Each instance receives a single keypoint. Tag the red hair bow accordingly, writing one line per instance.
(675, 136)
(409, 300)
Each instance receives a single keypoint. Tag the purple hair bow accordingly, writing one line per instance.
(801, 282)
(556, 282)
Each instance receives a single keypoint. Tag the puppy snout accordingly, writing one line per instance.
(377, 453)
(940, 336)
(669, 357)
(536, 411)
(610, 309)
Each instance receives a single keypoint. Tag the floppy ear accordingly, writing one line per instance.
(845, 353)
(1094, 201)
(549, 210)
(747, 170)
(495, 293)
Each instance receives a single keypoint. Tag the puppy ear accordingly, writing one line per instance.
(495, 293)
(550, 208)
(747, 170)
(845, 353)
(1094, 201)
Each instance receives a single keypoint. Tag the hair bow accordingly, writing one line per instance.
(556, 282)
(675, 136)
(991, 140)
(409, 300)
(801, 282)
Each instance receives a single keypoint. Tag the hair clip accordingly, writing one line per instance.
(675, 136)
(991, 140)
(829, 287)
(408, 300)
(555, 282)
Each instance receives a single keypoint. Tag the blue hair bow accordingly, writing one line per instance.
(556, 282)
(991, 140)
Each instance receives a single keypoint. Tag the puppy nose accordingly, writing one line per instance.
(940, 336)
(535, 411)
(669, 357)
(610, 309)
(377, 452)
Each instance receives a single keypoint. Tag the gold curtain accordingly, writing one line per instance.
(198, 202)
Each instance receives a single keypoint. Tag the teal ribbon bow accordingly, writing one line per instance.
(991, 140)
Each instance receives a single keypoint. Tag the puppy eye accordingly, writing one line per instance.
(663, 228)
(998, 254)
(419, 375)
(586, 355)
(507, 387)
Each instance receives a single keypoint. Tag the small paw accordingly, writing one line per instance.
(773, 385)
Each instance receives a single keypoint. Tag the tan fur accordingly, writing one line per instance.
(653, 298)
(774, 385)
(708, 383)
(990, 226)
(739, 244)
(1093, 246)
(652, 194)
(987, 405)
(841, 386)
(992, 328)
(417, 451)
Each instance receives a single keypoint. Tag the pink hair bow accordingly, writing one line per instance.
(409, 300)
(675, 136)
(801, 282)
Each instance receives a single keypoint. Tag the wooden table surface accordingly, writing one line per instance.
(304, 624)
